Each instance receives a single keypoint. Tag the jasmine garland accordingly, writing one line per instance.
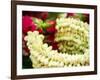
(42, 55)
(72, 35)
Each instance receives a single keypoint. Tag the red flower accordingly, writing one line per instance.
(43, 15)
(40, 31)
(51, 28)
(50, 40)
(27, 24)
(70, 14)
(54, 46)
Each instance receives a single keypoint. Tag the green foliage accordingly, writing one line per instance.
(26, 62)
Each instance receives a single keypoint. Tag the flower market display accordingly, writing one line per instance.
(55, 39)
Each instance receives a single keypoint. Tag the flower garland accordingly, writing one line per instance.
(42, 55)
(72, 35)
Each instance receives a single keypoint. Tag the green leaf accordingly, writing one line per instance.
(26, 62)
(52, 16)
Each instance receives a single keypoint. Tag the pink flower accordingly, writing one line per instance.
(28, 24)
(51, 28)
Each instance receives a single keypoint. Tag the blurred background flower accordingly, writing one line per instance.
(40, 15)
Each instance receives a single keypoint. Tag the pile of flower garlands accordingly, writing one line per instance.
(72, 37)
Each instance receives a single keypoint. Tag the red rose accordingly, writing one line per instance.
(28, 24)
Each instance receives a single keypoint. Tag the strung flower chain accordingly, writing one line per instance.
(42, 55)
(72, 35)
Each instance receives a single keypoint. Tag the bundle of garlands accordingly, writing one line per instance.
(68, 43)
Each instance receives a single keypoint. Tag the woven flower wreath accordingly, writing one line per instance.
(72, 42)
